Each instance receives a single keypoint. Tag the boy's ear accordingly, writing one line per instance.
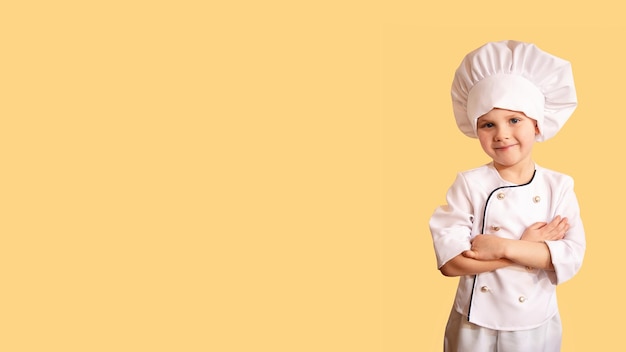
(537, 129)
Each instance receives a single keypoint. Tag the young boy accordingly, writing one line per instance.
(511, 230)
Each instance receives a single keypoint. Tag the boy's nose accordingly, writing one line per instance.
(501, 134)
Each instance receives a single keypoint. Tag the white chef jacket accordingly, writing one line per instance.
(481, 202)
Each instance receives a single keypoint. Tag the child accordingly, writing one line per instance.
(511, 230)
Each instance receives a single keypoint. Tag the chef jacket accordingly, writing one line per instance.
(481, 202)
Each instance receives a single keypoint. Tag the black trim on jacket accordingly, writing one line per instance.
(482, 230)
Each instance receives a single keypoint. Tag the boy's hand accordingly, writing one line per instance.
(486, 247)
(491, 247)
(541, 231)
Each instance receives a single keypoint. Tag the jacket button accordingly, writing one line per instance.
(537, 199)
(500, 196)
(522, 299)
(484, 289)
(495, 228)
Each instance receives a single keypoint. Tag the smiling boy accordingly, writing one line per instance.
(511, 230)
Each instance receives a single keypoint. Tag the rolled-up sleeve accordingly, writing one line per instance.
(567, 254)
(451, 224)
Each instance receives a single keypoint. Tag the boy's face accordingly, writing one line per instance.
(507, 137)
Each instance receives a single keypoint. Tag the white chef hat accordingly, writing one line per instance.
(515, 76)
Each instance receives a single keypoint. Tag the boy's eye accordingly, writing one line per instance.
(487, 125)
(515, 120)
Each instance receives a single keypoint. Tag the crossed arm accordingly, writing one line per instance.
(489, 252)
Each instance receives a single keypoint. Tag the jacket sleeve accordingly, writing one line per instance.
(567, 254)
(451, 224)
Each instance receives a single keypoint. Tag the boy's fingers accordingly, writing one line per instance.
(537, 225)
(556, 223)
(563, 225)
(469, 254)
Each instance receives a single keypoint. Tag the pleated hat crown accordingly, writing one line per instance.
(515, 76)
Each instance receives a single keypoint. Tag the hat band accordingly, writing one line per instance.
(505, 91)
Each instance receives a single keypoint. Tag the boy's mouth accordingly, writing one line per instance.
(505, 147)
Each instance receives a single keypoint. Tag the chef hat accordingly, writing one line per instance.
(515, 76)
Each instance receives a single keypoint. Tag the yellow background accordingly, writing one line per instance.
(258, 176)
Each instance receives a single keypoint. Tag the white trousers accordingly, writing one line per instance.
(463, 336)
